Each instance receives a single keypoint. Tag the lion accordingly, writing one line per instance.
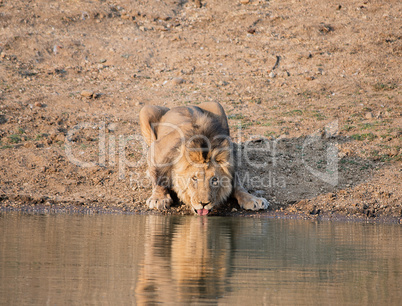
(191, 153)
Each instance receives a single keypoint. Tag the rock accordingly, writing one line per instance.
(125, 16)
(330, 196)
(87, 94)
(160, 28)
(272, 75)
(394, 152)
(38, 104)
(244, 1)
(29, 145)
(369, 115)
(178, 81)
(59, 137)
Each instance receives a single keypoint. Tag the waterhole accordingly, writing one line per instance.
(147, 259)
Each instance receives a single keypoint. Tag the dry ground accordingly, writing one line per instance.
(315, 83)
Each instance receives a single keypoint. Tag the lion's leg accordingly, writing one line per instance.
(218, 110)
(149, 115)
(247, 200)
(160, 197)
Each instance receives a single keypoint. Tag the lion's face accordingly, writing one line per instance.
(203, 181)
(203, 188)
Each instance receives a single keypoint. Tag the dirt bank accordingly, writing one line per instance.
(312, 90)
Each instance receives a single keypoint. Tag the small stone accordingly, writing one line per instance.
(320, 71)
(244, 1)
(197, 3)
(394, 152)
(369, 115)
(28, 145)
(87, 94)
(38, 104)
(178, 81)
(59, 137)
(272, 75)
(234, 209)
(160, 28)
(331, 196)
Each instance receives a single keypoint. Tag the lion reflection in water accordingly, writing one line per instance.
(184, 258)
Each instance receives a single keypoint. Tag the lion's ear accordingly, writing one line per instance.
(221, 155)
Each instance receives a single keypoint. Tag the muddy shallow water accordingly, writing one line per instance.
(146, 259)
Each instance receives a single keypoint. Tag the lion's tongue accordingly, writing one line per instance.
(202, 212)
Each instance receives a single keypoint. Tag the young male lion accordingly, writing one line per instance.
(191, 153)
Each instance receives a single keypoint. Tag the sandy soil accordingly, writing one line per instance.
(312, 90)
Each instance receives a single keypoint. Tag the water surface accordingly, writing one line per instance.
(127, 260)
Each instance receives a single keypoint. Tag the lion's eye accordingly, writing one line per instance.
(194, 178)
(214, 181)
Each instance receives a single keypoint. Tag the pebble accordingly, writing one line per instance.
(38, 104)
(198, 3)
(178, 81)
(272, 75)
(87, 94)
(394, 152)
(369, 115)
(160, 28)
(244, 1)
(59, 137)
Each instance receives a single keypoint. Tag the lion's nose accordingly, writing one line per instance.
(204, 203)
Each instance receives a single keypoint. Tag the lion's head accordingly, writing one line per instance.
(202, 177)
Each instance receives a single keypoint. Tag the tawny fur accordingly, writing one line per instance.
(191, 153)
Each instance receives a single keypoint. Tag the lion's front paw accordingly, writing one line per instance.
(159, 201)
(251, 202)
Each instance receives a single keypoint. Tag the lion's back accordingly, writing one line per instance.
(186, 122)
